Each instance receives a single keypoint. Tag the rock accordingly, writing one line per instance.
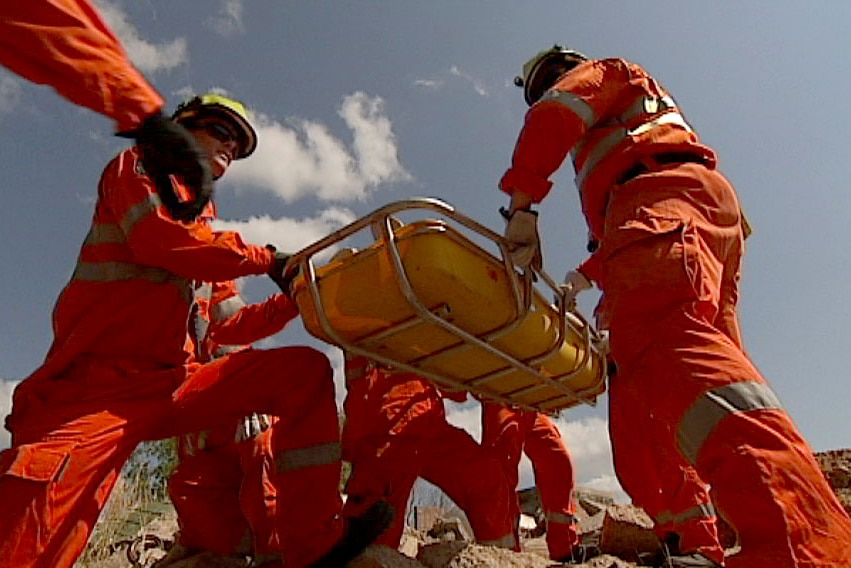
(627, 533)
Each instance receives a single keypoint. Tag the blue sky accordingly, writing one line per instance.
(363, 103)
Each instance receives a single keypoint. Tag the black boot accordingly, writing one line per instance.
(360, 533)
(673, 558)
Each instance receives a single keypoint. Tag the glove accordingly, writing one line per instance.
(524, 244)
(167, 148)
(252, 425)
(574, 283)
(278, 272)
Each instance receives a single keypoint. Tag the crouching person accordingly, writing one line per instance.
(119, 372)
(396, 430)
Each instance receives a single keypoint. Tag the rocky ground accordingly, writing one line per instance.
(620, 535)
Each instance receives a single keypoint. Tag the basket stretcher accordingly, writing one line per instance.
(426, 299)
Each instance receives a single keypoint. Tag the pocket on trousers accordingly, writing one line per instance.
(34, 462)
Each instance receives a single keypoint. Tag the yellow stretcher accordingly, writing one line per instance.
(425, 298)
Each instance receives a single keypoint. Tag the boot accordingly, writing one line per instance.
(673, 558)
(360, 533)
(693, 560)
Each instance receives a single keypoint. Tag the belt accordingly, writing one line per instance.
(664, 159)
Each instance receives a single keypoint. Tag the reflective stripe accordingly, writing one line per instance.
(300, 458)
(600, 151)
(204, 292)
(674, 118)
(704, 415)
(105, 234)
(614, 138)
(700, 511)
(560, 518)
(116, 271)
(506, 541)
(120, 271)
(138, 211)
(223, 350)
(579, 107)
(227, 308)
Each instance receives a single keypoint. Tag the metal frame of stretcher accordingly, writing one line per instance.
(521, 284)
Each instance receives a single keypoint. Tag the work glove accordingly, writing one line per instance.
(167, 148)
(524, 244)
(252, 425)
(574, 283)
(278, 272)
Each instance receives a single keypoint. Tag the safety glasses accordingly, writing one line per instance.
(219, 131)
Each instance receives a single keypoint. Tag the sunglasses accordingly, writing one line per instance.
(219, 131)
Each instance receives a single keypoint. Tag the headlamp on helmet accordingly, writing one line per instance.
(543, 70)
(230, 110)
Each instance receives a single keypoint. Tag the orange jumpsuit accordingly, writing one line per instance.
(65, 44)
(671, 244)
(396, 431)
(511, 432)
(119, 372)
(223, 488)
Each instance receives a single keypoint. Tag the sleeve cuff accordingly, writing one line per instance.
(526, 182)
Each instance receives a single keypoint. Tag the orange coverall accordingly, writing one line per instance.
(396, 431)
(510, 432)
(223, 489)
(119, 372)
(65, 44)
(671, 245)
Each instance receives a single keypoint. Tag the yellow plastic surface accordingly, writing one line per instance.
(363, 302)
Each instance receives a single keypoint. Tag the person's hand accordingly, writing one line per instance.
(251, 426)
(278, 271)
(574, 283)
(524, 244)
(167, 148)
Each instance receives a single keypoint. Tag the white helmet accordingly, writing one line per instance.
(540, 72)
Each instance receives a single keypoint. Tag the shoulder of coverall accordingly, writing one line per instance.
(598, 76)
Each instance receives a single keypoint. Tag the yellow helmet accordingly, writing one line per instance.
(538, 75)
(223, 107)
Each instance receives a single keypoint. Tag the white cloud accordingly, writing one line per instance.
(454, 71)
(6, 388)
(228, 22)
(289, 234)
(478, 86)
(10, 92)
(429, 83)
(148, 57)
(309, 159)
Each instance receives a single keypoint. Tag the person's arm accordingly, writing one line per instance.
(187, 249)
(548, 134)
(233, 322)
(66, 44)
(555, 124)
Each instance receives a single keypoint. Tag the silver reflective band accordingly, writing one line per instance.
(300, 458)
(116, 271)
(139, 211)
(105, 234)
(227, 308)
(700, 511)
(700, 420)
(673, 118)
(561, 518)
(613, 139)
(204, 292)
(579, 107)
(600, 151)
